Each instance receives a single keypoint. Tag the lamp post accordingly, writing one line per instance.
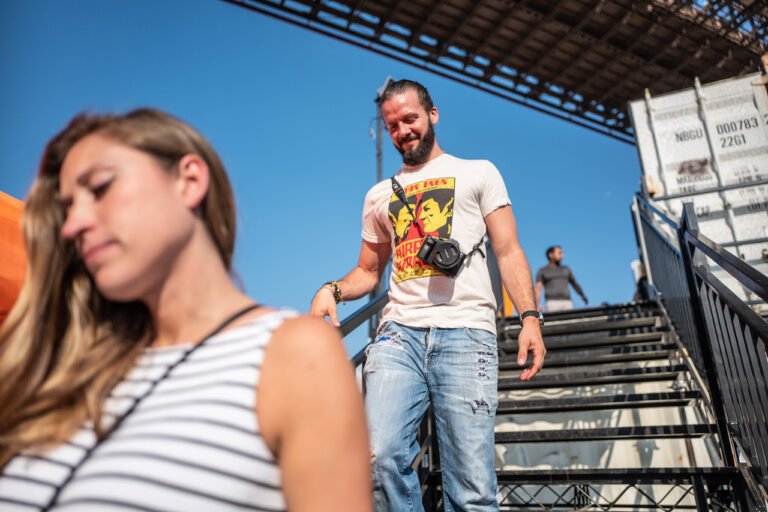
(373, 323)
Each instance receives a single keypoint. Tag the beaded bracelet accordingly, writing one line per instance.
(336, 291)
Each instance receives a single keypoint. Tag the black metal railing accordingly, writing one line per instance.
(725, 338)
(359, 317)
(426, 461)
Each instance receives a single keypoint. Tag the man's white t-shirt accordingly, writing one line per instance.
(450, 198)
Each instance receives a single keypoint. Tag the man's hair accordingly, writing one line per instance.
(551, 250)
(400, 86)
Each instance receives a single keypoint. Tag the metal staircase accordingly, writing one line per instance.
(659, 405)
(603, 366)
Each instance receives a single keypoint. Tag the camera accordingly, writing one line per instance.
(444, 255)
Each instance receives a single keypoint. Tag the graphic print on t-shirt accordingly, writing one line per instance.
(432, 203)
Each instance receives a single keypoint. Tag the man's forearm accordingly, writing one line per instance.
(357, 283)
(516, 276)
(577, 288)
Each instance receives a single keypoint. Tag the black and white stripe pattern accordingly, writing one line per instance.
(192, 444)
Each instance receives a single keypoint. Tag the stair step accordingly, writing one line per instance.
(607, 434)
(597, 403)
(614, 376)
(603, 355)
(629, 308)
(588, 326)
(610, 475)
(597, 341)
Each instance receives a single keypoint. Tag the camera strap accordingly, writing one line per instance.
(400, 193)
(478, 248)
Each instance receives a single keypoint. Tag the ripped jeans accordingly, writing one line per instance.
(454, 369)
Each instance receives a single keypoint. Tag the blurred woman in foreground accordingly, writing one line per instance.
(133, 374)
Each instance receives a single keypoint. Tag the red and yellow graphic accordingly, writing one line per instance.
(432, 203)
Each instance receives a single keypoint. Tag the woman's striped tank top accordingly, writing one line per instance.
(192, 444)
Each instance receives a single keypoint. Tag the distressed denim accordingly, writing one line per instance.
(454, 369)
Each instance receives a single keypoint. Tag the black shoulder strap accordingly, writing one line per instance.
(400, 193)
(478, 247)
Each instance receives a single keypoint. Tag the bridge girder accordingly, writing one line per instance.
(576, 60)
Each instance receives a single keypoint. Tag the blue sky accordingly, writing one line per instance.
(289, 112)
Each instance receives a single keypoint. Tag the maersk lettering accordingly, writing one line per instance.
(692, 179)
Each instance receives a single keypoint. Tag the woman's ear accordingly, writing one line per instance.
(193, 179)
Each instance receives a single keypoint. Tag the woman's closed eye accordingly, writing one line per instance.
(99, 189)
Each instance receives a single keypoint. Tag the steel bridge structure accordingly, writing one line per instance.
(578, 60)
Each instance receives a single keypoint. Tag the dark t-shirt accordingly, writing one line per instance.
(555, 281)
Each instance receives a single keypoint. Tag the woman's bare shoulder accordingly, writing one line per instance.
(304, 339)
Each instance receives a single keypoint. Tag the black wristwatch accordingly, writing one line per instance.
(532, 312)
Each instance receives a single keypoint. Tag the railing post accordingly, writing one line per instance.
(635, 208)
(689, 224)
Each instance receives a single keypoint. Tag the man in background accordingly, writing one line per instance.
(555, 278)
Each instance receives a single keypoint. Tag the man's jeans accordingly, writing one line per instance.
(455, 369)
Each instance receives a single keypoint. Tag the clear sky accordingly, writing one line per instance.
(289, 112)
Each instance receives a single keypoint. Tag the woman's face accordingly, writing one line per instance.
(125, 214)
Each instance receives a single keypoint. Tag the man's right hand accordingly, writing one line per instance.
(324, 305)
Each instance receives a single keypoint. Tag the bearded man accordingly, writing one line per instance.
(437, 339)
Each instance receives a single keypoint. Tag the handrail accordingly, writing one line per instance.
(746, 313)
(658, 212)
(743, 272)
(356, 319)
(726, 340)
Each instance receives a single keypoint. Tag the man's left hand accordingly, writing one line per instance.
(530, 339)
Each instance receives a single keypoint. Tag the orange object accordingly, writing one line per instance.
(508, 308)
(13, 259)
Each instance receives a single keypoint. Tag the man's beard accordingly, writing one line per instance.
(420, 153)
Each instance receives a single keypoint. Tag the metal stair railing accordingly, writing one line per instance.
(724, 337)
(356, 319)
(425, 462)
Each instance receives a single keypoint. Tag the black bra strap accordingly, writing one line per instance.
(229, 320)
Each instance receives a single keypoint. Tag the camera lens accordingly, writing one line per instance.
(446, 254)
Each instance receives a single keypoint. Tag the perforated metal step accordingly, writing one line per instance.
(572, 379)
(596, 356)
(607, 434)
(597, 403)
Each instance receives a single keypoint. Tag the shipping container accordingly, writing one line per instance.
(709, 145)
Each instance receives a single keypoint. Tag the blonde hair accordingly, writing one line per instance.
(63, 347)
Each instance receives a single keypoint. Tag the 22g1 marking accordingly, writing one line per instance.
(733, 140)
